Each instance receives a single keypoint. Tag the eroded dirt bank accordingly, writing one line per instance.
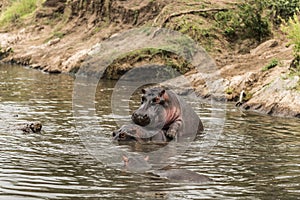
(60, 34)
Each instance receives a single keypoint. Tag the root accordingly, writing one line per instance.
(168, 18)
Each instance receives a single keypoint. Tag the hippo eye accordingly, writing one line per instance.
(122, 135)
(156, 100)
(143, 99)
(162, 102)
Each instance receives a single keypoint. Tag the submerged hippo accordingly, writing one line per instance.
(34, 127)
(182, 175)
(136, 164)
(173, 175)
(163, 109)
(136, 133)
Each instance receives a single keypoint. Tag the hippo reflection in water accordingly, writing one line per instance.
(163, 109)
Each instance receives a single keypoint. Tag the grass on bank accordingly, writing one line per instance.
(273, 63)
(19, 9)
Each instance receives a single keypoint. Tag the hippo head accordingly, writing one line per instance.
(36, 127)
(152, 111)
(127, 133)
(136, 164)
(122, 135)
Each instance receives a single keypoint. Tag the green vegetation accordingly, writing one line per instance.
(196, 28)
(282, 9)
(58, 35)
(292, 29)
(251, 19)
(151, 55)
(169, 58)
(273, 63)
(298, 86)
(254, 18)
(229, 91)
(247, 21)
(55, 34)
(18, 10)
(247, 96)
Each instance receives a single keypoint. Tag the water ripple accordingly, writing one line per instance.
(256, 157)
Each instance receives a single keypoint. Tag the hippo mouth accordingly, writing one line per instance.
(141, 120)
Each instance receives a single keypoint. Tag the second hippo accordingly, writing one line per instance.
(136, 133)
(163, 109)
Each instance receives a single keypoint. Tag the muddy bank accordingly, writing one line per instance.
(60, 34)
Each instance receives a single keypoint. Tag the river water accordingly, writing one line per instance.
(256, 156)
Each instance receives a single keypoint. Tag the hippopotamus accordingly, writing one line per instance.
(136, 133)
(136, 164)
(182, 175)
(34, 127)
(173, 175)
(163, 109)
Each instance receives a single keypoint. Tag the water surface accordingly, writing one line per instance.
(256, 157)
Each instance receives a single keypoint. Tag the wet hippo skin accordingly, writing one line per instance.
(34, 127)
(136, 133)
(163, 109)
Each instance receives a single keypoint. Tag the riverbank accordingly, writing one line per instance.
(58, 36)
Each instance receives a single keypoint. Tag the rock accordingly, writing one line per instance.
(279, 98)
(264, 47)
(5, 52)
(53, 42)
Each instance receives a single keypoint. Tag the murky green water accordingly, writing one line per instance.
(256, 157)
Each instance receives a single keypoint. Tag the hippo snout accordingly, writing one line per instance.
(140, 118)
(119, 135)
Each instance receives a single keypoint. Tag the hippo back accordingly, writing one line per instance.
(182, 175)
(192, 124)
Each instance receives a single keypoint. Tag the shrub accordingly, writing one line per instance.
(229, 91)
(292, 29)
(273, 63)
(248, 21)
(254, 21)
(283, 9)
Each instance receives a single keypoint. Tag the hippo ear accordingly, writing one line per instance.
(162, 93)
(114, 133)
(164, 96)
(146, 158)
(143, 91)
(125, 159)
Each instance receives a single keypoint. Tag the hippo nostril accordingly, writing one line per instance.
(145, 116)
(114, 134)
